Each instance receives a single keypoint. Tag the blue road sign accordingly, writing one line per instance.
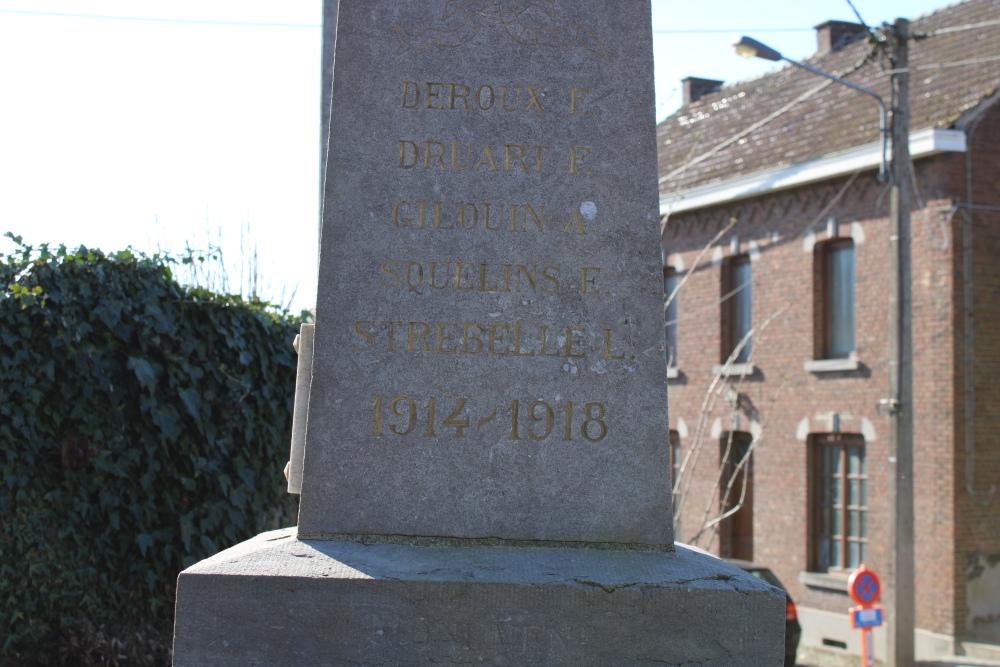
(866, 588)
(866, 618)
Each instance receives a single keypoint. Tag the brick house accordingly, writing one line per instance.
(777, 228)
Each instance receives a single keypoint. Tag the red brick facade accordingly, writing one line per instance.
(957, 534)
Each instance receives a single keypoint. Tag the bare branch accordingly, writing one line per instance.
(697, 261)
(708, 408)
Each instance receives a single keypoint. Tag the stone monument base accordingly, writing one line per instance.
(278, 600)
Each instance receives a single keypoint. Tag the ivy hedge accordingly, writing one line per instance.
(143, 426)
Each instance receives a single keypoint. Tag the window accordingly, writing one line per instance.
(840, 522)
(838, 307)
(736, 308)
(670, 313)
(736, 495)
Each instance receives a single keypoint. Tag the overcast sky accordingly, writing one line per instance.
(156, 124)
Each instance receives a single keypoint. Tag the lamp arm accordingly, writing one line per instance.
(883, 112)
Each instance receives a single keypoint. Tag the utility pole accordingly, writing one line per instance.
(901, 557)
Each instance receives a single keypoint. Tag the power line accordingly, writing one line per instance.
(315, 25)
(856, 13)
(161, 20)
(959, 63)
(694, 31)
(960, 28)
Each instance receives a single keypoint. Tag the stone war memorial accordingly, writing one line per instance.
(485, 476)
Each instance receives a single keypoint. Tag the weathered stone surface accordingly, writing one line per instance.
(276, 600)
(488, 370)
(490, 265)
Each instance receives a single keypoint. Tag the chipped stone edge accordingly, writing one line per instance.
(463, 542)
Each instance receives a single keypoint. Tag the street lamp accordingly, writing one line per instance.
(900, 362)
(751, 48)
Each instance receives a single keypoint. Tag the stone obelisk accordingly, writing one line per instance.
(486, 475)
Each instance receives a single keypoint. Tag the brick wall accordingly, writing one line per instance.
(789, 403)
(977, 527)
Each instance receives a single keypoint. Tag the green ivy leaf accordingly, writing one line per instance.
(88, 338)
(145, 541)
(143, 371)
(191, 399)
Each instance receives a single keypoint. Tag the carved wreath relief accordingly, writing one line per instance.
(527, 22)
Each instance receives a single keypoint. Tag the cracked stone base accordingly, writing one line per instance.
(277, 600)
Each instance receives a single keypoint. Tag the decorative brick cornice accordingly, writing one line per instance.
(802, 204)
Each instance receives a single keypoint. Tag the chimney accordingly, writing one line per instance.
(695, 88)
(835, 35)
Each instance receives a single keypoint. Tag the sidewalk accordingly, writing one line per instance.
(813, 657)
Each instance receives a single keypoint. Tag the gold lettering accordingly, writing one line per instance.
(495, 339)
(548, 274)
(482, 280)
(486, 218)
(439, 154)
(423, 214)
(587, 280)
(459, 267)
(510, 157)
(517, 344)
(475, 216)
(503, 99)
(479, 97)
(471, 338)
(545, 331)
(391, 326)
(539, 221)
(416, 94)
(513, 218)
(487, 154)
(406, 222)
(569, 342)
(576, 96)
(389, 272)
(413, 336)
(577, 156)
(477, 338)
(442, 338)
(535, 102)
(506, 277)
(437, 217)
(464, 96)
(433, 95)
(607, 346)
(414, 285)
(454, 157)
(576, 222)
(402, 154)
(538, 159)
(367, 336)
(531, 277)
(446, 276)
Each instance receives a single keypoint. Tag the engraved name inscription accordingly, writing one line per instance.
(496, 338)
(512, 98)
(488, 216)
(470, 156)
(421, 277)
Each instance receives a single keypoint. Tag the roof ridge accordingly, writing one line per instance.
(719, 94)
(809, 59)
(768, 135)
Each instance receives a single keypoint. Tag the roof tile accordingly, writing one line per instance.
(757, 124)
